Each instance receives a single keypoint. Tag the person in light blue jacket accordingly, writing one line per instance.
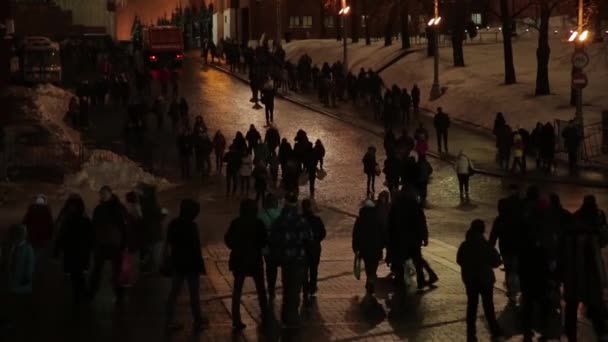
(18, 261)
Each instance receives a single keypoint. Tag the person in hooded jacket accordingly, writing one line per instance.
(582, 269)
(183, 252)
(272, 138)
(75, 240)
(39, 223)
(369, 239)
(246, 237)
(318, 235)
(109, 223)
(477, 259)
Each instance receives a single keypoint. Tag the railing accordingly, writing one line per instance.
(592, 141)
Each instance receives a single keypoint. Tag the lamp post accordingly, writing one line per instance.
(343, 13)
(434, 24)
(580, 59)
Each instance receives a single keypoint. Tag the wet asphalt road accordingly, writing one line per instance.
(224, 103)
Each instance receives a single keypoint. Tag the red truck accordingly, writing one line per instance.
(163, 46)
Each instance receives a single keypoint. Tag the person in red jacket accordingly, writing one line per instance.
(39, 223)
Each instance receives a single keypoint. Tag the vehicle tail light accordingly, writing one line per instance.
(179, 56)
(152, 58)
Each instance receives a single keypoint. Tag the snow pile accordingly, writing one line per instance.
(107, 168)
(476, 92)
(48, 104)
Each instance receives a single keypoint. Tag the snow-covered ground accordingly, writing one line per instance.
(47, 105)
(476, 92)
(107, 168)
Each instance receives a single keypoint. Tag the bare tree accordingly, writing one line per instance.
(404, 13)
(507, 19)
(458, 18)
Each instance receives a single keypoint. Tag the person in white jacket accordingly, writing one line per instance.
(464, 170)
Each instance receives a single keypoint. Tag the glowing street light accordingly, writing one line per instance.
(436, 88)
(344, 11)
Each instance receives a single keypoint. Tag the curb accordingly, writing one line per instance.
(447, 159)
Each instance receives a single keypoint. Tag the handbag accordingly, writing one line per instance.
(321, 174)
(126, 277)
(357, 267)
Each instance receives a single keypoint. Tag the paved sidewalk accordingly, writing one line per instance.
(477, 142)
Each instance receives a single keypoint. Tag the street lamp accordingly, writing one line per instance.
(434, 24)
(344, 13)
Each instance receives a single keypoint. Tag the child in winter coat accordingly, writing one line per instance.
(319, 152)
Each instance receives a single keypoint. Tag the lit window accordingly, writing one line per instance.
(307, 21)
(476, 18)
(294, 22)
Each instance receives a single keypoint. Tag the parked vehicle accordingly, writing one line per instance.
(40, 60)
(163, 46)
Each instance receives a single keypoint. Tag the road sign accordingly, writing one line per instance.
(580, 59)
(579, 80)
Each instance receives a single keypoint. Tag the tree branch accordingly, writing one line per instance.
(522, 9)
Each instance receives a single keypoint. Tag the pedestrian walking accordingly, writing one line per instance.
(415, 94)
(290, 243)
(75, 240)
(134, 228)
(425, 170)
(369, 239)
(109, 223)
(318, 235)
(272, 138)
(268, 94)
(583, 269)
(185, 263)
(268, 214)
(572, 141)
(260, 177)
(477, 259)
(40, 225)
(547, 147)
(219, 146)
(184, 148)
(18, 264)
(253, 137)
(319, 152)
(518, 153)
(406, 104)
(442, 124)
(245, 172)
(464, 170)
(233, 166)
(285, 153)
(504, 142)
(246, 237)
(391, 172)
(536, 142)
(261, 153)
(370, 167)
(506, 230)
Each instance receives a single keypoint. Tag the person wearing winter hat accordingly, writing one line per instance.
(39, 223)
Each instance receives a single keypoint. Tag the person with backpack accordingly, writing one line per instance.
(318, 235)
(246, 237)
(477, 260)
(290, 244)
(184, 263)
